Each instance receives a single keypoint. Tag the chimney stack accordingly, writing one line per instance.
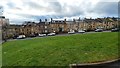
(73, 20)
(51, 20)
(90, 17)
(45, 20)
(40, 20)
(64, 20)
(79, 18)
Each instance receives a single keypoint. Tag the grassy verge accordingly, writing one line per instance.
(61, 50)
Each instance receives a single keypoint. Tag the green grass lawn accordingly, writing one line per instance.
(61, 50)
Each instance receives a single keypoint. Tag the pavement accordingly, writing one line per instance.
(114, 64)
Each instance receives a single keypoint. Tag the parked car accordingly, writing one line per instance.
(81, 31)
(84, 30)
(41, 35)
(32, 35)
(71, 32)
(115, 30)
(51, 34)
(15, 36)
(98, 30)
(21, 37)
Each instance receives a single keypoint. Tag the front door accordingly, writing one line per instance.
(60, 29)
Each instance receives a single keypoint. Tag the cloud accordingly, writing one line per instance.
(11, 5)
(108, 8)
(1, 10)
(55, 6)
(33, 5)
(22, 10)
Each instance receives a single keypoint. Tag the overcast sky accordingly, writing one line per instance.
(24, 10)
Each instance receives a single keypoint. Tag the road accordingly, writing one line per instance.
(55, 35)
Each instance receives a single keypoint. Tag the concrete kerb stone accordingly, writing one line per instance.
(92, 64)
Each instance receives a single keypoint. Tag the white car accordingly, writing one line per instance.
(51, 34)
(84, 30)
(71, 32)
(98, 30)
(42, 35)
(21, 37)
(81, 31)
(115, 30)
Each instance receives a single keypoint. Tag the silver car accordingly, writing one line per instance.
(21, 37)
(81, 31)
(41, 35)
(51, 34)
(98, 30)
(71, 32)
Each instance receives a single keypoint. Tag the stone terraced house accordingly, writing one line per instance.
(29, 28)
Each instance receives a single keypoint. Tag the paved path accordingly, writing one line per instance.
(115, 64)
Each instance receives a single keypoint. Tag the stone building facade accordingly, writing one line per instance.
(4, 23)
(29, 28)
(58, 26)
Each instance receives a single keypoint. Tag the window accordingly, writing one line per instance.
(45, 26)
(45, 30)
